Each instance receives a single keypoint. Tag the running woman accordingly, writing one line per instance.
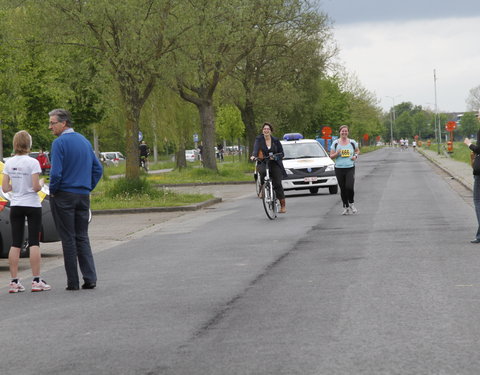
(345, 153)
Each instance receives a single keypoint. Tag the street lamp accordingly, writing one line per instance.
(392, 117)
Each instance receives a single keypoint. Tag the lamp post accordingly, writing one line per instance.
(392, 117)
(437, 118)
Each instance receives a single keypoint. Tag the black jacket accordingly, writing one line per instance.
(260, 144)
(476, 150)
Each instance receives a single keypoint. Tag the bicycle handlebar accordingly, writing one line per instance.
(269, 157)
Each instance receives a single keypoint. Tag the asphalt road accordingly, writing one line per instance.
(394, 289)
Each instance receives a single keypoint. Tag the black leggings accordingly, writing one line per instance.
(275, 176)
(346, 181)
(17, 220)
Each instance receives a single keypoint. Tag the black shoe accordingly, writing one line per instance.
(475, 241)
(72, 288)
(89, 285)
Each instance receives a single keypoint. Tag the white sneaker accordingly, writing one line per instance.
(40, 286)
(346, 211)
(16, 287)
(353, 208)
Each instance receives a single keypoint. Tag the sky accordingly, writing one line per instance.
(393, 48)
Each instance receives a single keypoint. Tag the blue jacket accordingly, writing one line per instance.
(75, 168)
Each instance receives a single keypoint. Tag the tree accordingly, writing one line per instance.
(474, 99)
(269, 78)
(469, 125)
(229, 123)
(222, 36)
(131, 37)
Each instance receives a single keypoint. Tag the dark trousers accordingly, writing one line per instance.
(34, 220)
(476, 201)
(346, 181)
(275, 177)
(71, 212)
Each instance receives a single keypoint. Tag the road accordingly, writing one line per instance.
(394, 289)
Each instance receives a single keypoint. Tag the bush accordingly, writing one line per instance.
(123, 188)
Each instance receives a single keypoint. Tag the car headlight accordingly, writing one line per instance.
(330, 167)
(288, 171)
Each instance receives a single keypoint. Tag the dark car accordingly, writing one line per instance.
(48, 234)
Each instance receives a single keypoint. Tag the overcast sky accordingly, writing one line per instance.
(394, 47)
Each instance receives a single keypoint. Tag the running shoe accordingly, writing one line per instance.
(16, 287)
(40, 286)
(346, 211)
(353, 208)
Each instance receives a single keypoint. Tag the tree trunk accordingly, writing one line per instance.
(180, 160)
(132, 108)
(248, 117)
(207, 121)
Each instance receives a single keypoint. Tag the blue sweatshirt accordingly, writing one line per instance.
(75, 168)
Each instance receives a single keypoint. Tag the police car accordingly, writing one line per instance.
(307, 164)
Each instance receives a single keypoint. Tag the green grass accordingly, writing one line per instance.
(102, 197)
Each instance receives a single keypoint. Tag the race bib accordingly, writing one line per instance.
(345, 153)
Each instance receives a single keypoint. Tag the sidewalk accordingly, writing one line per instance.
(462, 172)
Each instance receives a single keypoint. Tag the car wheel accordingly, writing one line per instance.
(333, 189)
(314, 190)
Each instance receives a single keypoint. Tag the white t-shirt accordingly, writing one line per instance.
(20, 169)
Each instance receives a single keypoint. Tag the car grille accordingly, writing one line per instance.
(304, 171)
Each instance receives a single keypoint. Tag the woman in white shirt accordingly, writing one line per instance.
(21, 177)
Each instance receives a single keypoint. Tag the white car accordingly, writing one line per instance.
(191, 155)
(308, 165)
(112, 158)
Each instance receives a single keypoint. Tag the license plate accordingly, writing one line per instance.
(310, 179)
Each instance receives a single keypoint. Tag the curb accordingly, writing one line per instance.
(457, 178)
(193, 207)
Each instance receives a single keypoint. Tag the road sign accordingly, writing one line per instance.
(140, 136)
(365, 137)
(327, 130)
(195, 137)
(450, 126)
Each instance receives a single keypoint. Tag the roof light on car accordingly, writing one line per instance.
(292, 136)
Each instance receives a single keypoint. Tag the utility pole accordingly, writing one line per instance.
(437, 119)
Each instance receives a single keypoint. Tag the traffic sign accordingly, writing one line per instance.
(450, 126)
(327, 130)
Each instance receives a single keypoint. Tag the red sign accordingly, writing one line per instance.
(378, 138)
(450, 126)
(327, 130)
(416, 137)
(365, 137)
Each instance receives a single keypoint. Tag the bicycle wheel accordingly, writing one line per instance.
(269, 200)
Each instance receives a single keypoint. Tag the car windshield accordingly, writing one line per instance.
(303, 150)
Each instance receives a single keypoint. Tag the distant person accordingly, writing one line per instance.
(43, 160)
(220, 151)
(476, 181)
(144, 153)
(414, 145)
(345, 152)
(266, 144)
(74, 174)
(200, 151)
(21, 177)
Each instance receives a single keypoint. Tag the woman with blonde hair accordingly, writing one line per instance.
(21, 177)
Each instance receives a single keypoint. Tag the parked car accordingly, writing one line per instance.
(191, 155)
(111, 158)
(308, 165)
(47, 166)
(48, 233)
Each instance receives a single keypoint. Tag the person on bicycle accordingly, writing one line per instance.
(266, 144)
(144, 152)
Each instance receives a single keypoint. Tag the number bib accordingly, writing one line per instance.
(345, 153)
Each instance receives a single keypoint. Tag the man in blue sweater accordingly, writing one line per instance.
(74, 174)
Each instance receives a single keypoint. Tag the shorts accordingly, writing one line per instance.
(17, 220)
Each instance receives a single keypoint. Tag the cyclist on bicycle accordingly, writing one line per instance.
(144, 152)
(266, 144)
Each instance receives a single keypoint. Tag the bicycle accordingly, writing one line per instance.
(144, 163)
(269, 196)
